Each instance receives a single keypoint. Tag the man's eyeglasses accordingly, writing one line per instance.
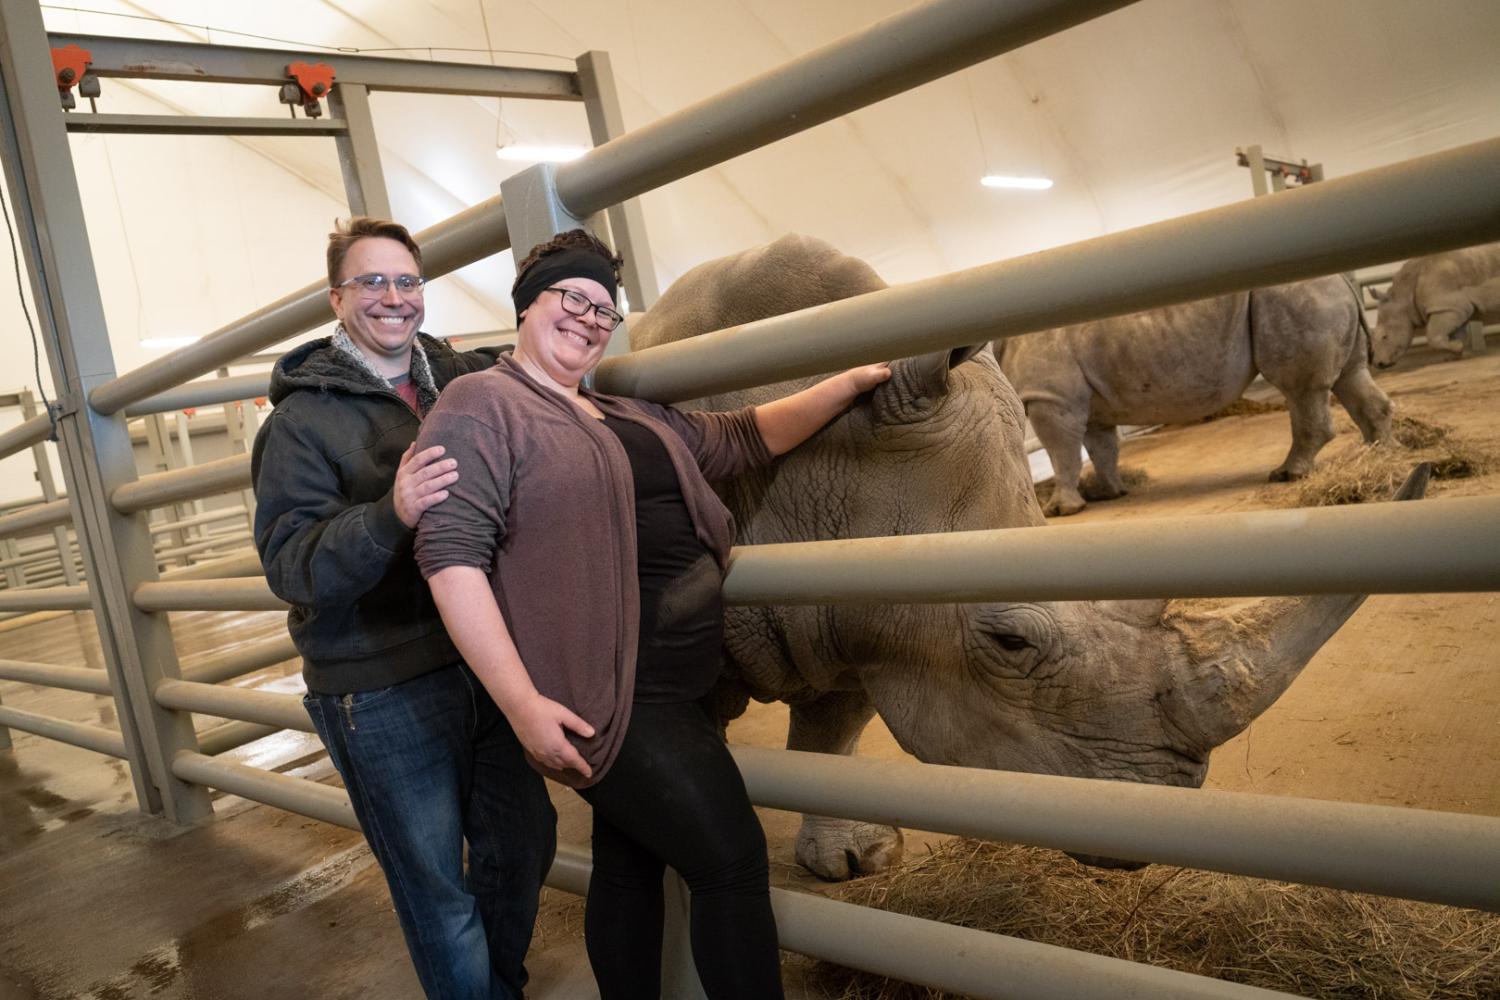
(374, 285)
(579, 304)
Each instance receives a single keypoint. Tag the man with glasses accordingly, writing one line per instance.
(428, 759)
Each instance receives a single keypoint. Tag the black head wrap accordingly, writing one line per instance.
(570, 263)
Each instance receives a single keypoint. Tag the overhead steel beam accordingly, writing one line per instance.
(201, 125)
(892, 55)
(1428, 546)
(1438, 857)
(1430, 203)
(359, 152)
(152, 59)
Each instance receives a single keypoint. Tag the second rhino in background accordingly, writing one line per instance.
(1185, 362)
(1438, 294)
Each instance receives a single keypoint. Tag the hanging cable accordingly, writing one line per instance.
(36, 354)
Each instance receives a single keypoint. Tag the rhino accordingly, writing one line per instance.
(1184, 362)
(1438, 294)
(1127, 690)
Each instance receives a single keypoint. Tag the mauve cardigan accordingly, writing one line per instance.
(544, 504)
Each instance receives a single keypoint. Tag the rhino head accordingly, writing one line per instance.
(1125, 690)
(1396, 324)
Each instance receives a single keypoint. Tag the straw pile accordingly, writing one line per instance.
(1369, 474)
(1298, 939)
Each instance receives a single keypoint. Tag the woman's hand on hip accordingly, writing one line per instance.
(542, 726)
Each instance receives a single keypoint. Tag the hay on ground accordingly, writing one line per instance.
(1372, 473)
(1302, 940)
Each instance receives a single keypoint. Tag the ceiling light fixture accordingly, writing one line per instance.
(1018, 183)
(540, 154)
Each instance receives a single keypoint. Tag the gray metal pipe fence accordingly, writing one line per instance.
(239, 704)
(25, 434)
(247, 594)
(161, 488)
(54, 675)
(78, 734)
(1429, 203)
(238, 662)
(35, 520)
(74, 598)
(232, 735)
(208, 392)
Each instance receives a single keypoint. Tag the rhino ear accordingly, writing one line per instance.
(926, 376)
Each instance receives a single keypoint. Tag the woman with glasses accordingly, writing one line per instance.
(578, 564)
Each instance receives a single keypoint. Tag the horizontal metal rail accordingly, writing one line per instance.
(74, 598)
(1435, 546)
(298, 795)
(1410, 853)
(978, 963)
(206, 392)
(1438, 546)
(245, 562)
(892, 55)
(238, 662)
(232, 735)
(240, 704)
(54, 675)
(94, 738)
(42, 517)
(204, 480)
(201, 125)
(207, 595)
(1430, 203)
(207, 517)
(219, 540)
(912, 48)
(24, 435)
(150, 59)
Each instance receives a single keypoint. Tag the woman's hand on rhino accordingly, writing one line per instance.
(867, 377)
(542, 726)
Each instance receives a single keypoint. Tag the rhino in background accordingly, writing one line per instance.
(1185, 362)
(1438, 294)
(1128, 690)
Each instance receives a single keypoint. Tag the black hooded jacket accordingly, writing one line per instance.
(324, 468)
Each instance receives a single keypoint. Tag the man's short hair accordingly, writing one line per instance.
(362, 227)
(573, 239)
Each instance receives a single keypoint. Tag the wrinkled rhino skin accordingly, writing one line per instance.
(1129, 690)
(1438, 294)
(1185, 362)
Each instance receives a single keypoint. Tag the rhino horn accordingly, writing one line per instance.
(925, 377)
(1242, 655)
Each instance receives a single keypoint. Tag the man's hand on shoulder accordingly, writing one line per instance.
(422, 479)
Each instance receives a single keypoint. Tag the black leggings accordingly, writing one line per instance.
(674, 797)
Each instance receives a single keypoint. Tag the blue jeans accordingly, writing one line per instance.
(430, 763)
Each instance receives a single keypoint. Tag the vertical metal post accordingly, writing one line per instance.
(138, 649)
(1475, 332)
(1257, 162)
(159, 447)
(49, 492)
(359, 154)
(627, 222)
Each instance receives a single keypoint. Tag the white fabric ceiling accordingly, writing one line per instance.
(1136, 116)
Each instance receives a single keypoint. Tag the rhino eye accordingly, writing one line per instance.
(1012, 642)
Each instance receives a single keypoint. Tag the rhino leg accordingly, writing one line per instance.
(1061, 432)
(1103, 444)
(1366, 403)
(1312, 428)
(837, 849)
(1445, 317)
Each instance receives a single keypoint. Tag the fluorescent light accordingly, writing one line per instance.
(167, 343)
(1020, 183)
(540, 154)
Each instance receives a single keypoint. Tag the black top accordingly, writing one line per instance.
(682, 606)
